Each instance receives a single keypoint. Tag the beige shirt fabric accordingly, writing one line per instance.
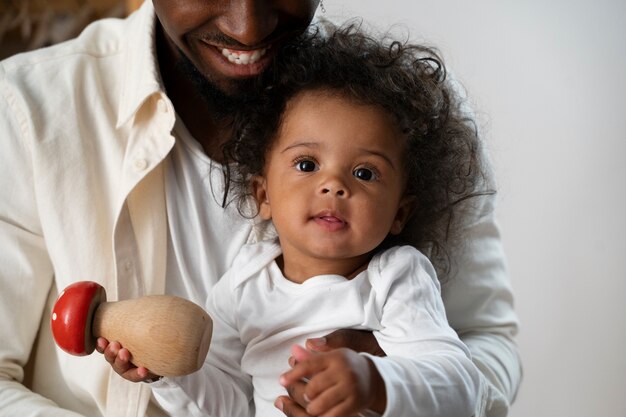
(85, 130)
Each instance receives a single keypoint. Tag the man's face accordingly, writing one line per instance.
(230, 41)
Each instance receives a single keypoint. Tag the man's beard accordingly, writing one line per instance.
(222, 104)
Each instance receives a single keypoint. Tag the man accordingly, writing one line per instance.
(110, 172)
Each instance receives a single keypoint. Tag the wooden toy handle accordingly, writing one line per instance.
(168, 335)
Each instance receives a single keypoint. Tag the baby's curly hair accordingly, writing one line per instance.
(443, 162)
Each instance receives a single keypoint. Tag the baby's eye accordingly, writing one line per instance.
(306, 165)
(365, 174)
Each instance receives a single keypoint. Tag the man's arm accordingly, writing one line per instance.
(479, 305)
(26, 275)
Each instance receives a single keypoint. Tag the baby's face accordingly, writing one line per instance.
(334, 178)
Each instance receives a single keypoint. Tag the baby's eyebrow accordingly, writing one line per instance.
(301, 145)
(380, 154)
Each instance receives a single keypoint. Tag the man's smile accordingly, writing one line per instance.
(243, 57)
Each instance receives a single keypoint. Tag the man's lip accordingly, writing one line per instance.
(238, 70)
(225, 42)
(243, 57)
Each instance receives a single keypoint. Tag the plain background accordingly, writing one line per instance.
(548, 81)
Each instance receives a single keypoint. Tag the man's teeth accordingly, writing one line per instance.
(244, 57)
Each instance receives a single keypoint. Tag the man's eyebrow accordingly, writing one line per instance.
(301, 144)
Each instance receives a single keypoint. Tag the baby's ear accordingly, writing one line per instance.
(259, 191)
(406, 207)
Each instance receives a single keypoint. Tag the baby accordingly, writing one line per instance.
(356, 147)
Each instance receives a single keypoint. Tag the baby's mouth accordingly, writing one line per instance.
(331, 219)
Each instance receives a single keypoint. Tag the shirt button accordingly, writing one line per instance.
(140, 164)
(162, 105)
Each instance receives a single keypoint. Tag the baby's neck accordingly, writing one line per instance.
(301, 269)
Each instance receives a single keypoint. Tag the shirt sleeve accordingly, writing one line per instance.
(428, 370)
(26, 275)
(478, 295)
(479, 304)
(219, 388)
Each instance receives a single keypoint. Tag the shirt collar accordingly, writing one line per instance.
(141, 76)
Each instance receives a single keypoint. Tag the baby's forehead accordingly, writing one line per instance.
(318, 95)
(323, 119)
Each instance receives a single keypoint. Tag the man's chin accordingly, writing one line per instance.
(221, 96)
(234, 88)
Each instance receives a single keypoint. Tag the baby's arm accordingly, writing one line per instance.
(219, 388)
(428, 370)
(340, 382)
(209, 391)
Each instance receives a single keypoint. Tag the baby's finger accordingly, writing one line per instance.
(333, 401)
(304, 365)
(111, 352)
(123, 359)
(122, 362)
(101, 344)
(300, 354)
(296, 393)
(138, 374)
(302, 371)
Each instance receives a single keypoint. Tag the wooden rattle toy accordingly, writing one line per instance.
(168, 335)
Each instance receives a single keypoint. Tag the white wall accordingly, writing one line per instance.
(548, 78)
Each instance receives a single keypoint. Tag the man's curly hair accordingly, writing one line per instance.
(443, 157)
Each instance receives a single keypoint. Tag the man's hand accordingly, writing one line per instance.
(340, 382)
(357, 340)
(119, 358)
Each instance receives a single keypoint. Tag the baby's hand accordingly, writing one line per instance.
(341, 382)
(119, 358)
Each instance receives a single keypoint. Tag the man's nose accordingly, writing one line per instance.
(248, 22)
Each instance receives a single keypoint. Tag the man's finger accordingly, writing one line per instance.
(290, 408)
(318, 344)
(357, 340)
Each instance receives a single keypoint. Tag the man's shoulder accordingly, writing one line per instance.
(104, 64)
(101, 39)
